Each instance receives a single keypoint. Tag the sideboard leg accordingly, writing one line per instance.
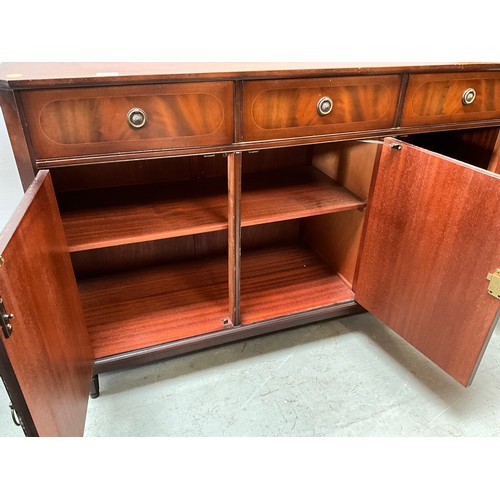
(94, 387)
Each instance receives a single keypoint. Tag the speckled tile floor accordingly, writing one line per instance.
(348, 377)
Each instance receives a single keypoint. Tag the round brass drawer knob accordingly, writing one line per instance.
(324, 106)
(137, 117)
(468, 97)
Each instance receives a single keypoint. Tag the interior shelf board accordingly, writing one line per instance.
(141, 308)
(117, 216)
(292, 193)
(283, 280)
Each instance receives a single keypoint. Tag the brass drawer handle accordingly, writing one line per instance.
(324, 106)
(468, 97)
(137, 117)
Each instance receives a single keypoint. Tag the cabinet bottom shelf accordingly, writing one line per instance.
(145, 307)
(138, 309)
(284, 280)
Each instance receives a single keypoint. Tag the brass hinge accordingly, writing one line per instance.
(5, 318)
(494, 286)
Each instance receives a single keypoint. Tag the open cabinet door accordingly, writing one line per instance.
(45, 355)
(432, 236)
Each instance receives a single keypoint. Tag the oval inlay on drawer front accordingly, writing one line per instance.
(451, 97)
(289, 108)
(78, 122)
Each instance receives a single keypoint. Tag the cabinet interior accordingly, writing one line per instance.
(478, 147)
(149, 239)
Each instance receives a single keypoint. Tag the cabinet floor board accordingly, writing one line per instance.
(285, 280)
(140, 308)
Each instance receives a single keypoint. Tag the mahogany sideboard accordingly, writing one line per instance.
(171, 207)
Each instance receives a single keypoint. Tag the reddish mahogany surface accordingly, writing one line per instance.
(74, 122)
(432, 236)
(145, 307)
(49, 348)
(288, 108)
(437, 98)
(115, 216)
(29, 75)
(283, 280)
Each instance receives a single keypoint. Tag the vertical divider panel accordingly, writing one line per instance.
(234, 161)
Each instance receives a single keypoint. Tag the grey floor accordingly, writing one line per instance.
(348, 377)
(345, 377)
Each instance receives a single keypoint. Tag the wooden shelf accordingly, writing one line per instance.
(292, 193)
(116, 216)
(140, 308)
(285, 280)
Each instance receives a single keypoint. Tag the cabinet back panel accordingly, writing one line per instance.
(349, 163)
(270, 234)
(269, 159)
(474, 146)
(137, 172)
(336, 238)
(151, 253)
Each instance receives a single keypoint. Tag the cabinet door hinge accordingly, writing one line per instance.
(14, 415)
(494, 286)
(5, 318)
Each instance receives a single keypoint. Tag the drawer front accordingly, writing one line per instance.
(451, 97)
(89, 121)
(274, 109)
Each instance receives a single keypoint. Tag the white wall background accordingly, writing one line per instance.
(11, 189)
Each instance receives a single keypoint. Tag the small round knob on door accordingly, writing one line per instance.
(137, 117)
(324, 106)
(468, 97)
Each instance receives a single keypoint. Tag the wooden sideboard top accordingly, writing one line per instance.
(31, 75)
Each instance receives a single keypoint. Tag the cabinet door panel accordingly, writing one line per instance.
(47, 361)
(431, 238)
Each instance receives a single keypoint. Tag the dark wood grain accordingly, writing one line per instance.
(475, 146)
(115, 216)
(274, 109)
(234, 235)
(74, 122)
(265, 235)
(33, 75)
(292, 193)
(18, 140)
(232, 334)
(494, 165)
(276, 158)
(149, 253)
(145, 307)
(432, 236)
(283, 280)
(437, 98)
(260, 145)
(133, 173)
(49, 349)
(336, 237)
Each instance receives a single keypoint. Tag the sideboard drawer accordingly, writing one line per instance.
(106, 120)
(451, 97)
(274, 109)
